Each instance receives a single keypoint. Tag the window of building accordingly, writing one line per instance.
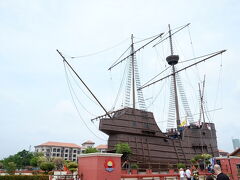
(238, 168)
(42, 149)
(66, 150)
(74, 159)
(66, 155)
(54, 154)
(54, 149)
(58, 150)
(74, 155)
(66, 159)
(78, 152)
(48, 150)
(57, 155)
(74, 151)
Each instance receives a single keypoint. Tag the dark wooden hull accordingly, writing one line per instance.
(150, 145)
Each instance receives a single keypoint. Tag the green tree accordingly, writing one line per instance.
(34, 161)
(21, 159)
(201, 160)
(10, 168)
(194, 163)
(90, 150)
(123, 148)
(1, 165)
(37, 159)
(47, 166)
(41, 159)
(181, 165)
(59, 162)
(72, 166)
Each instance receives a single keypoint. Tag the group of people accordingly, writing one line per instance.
(195, 175)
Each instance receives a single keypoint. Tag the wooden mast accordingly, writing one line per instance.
(172, 62)
(133, 72)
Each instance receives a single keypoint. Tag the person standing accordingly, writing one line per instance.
(181, 174)
(220, 175)
(188, 173)
(195, 174)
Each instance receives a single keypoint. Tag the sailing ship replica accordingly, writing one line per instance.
(150, 146)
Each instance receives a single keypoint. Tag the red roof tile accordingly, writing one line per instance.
(89, 142)
(222, 151)
(102, 146)
(60, 144)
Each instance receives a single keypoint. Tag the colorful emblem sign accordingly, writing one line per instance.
(109, 165)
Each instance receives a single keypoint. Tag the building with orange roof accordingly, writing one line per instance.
(102, 148)
(67, 151)
(87, 144)
(222, 153)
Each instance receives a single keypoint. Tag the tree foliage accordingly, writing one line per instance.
(10, 167)
(201, 160)
(1, 165)
(134, 166)
(25, 159)
(72, 166)
(181, 165)
(123, 148)
(90, 150)
(59, 162)
(47, 166)
(24, 177)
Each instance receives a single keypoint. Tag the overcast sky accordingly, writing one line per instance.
(35, 103)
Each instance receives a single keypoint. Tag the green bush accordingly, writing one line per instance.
(181, 165)
(47, 166)
(91, 150)
(22, 177)
(134, 166)
(125, 149)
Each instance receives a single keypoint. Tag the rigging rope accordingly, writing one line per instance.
(145, 39)
(81, 88)
(156, 97)
(157, 75)
(218, 84)
(120, 87)
(74, 93)
(75, 105)
(121, 56)
(101, 51)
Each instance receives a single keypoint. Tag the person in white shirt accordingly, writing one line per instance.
(181, 174)
(188, 173)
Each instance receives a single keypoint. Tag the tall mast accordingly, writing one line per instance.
(173, 60)
(201, 92)
(133, 72)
